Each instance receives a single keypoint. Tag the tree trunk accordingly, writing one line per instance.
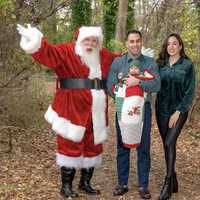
(139, 8)
(19, 6)
(144, 11)
(121, 20)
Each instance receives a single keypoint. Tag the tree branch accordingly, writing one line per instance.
(49, 11)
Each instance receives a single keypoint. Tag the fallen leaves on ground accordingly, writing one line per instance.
(29, 171)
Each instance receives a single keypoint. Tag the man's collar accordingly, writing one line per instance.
(131, 57)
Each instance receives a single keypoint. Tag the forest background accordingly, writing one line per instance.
(26, 88)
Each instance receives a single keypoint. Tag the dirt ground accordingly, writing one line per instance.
(28, 170)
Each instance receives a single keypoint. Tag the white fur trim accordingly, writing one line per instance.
(131, 133)
(50, 115)
(69, 161)
(78, 162)
(64, 127)
(92, 161)
(87, 31)
(99, 116)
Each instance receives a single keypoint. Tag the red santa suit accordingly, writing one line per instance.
(78, 116)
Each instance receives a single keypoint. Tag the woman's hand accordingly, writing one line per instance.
(173, 119)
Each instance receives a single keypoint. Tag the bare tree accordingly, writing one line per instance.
(121, 20)
(41, 10)
(161, 18)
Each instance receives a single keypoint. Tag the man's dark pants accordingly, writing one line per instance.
(143, 153)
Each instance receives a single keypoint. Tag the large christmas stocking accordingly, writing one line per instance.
(130, 111)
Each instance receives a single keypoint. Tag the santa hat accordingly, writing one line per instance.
(87, 31)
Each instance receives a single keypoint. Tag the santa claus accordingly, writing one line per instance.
(78, 113)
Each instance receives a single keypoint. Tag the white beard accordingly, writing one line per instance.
(92, 60)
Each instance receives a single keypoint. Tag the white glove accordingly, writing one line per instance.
(147, 52)
(31, 38)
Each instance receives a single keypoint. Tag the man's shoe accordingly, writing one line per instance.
(144, 193)
(120, 190)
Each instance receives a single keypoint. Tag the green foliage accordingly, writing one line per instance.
(190, 38)
(198, 7)
(56, 30)
(109, 19)
(6, 4)
(131, 15)
(81, 13)
(116, 46)
(49, 28)
(190, 31)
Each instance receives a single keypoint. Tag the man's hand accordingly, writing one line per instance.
(173, 119)
(147, 52)
(30, 38)
(131, 81)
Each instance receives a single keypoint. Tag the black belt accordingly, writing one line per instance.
(80, 83)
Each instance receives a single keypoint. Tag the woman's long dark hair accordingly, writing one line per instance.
(163, 55)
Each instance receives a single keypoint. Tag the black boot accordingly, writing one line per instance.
(166, 191)
(67, 177)
(175, 184)
(84, 184)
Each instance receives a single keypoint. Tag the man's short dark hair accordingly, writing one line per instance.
(134, 31)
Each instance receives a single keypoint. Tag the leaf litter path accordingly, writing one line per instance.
(30, 171)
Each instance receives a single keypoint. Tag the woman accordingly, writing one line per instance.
(173, 102)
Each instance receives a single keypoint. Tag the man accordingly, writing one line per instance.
(78, 113)
(121, 66)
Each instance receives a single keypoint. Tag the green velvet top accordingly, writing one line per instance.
(177, 87)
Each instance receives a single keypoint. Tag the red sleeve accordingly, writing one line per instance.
(107, 58)
(114, 54)
(51, 55)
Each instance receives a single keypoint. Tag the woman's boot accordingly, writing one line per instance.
(84, 184)
(67, 177)
(166, 191)
(175, 184)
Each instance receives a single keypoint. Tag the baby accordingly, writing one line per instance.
(133, 71)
